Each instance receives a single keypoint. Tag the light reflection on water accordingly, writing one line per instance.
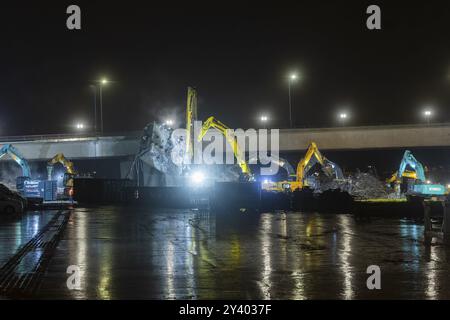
(345, 254)
(431, 275)
(275, 256)
(265, 283)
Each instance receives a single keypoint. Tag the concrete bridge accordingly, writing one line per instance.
(291, 140)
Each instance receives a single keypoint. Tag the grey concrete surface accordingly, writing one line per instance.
(125, 253)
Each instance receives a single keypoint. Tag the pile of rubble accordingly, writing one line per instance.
(366, 186)
(360, 185)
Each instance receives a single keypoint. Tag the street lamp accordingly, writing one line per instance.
(427, 113)
(103, 82)
(343, 116)
(95, 107)
(80, 126)
(292, 78)
(264, 120)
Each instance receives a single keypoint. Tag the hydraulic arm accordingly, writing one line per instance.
(69, 174)
(312, 157)
(17, 157)
(417, 173)
(191, 116)
(211, 122)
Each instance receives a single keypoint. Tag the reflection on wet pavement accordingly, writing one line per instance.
(126, 253)
(15, 231)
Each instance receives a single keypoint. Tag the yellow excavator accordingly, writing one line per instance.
(312, 156)
(68, 175)
(211, 122)
(406, 174)
(191, 116)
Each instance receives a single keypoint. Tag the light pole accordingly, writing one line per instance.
(95, 107)
(292, 78)
(427, 113)
(264, 120)
(343, 116)
(102, 83)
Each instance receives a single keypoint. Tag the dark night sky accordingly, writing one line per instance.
(236, 55)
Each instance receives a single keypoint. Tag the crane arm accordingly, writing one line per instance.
(334, 169)
(313, 156)
(410, 160)
(211, 122)
(17, 157)
(60, 158)
(305, 164)
(191, 116)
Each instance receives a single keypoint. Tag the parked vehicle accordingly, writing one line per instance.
(10, 206)
(5, 192)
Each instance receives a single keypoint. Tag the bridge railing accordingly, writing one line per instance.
(4, 139)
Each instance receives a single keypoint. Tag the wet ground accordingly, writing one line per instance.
(124, 253)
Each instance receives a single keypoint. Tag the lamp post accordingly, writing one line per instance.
(343, 116)
(102, 83)
(427, 113)
(264, 120)
(95, 107)
(292, 78)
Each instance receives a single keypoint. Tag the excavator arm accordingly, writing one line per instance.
(420, 187)
(308, 162)
(211, 122)
(17, 157)
(417, 172)
(334, 169)
(191, 116)
(68, 176)
(313, 156)
(410, 160)
(59, 158)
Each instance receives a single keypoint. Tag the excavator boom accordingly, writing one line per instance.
(421, 187)
(17, 157)
(68, 176)
(59, 158)
(191, 116)
(312, 157)
(211, 122)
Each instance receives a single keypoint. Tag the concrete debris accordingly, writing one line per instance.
(159, 161)
(156, 149)
(366, 186)
(361, 185)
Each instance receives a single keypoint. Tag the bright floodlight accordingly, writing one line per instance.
(427, 113)
(104, 81)
(293, 76)
(197, 177)
(169, 122)
(264, 118)
(343, 115)
(80, 126)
